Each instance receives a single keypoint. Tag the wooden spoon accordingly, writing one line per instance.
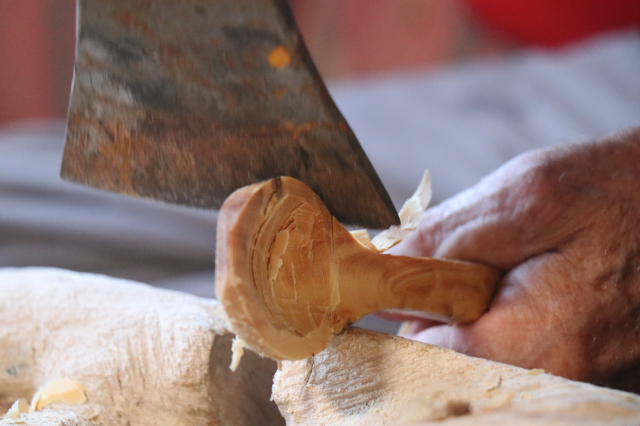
(290, 276)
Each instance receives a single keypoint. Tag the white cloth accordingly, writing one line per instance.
(45, 221)
(460, 122)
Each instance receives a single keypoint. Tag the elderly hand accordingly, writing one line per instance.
(564, 225)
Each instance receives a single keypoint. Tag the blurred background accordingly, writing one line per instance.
(455, 86)
(347, 38)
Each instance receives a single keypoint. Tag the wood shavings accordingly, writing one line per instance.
(237, 350)
(362, 235)
(491, 381)
(60, 390)
(19, 407)
(498, 401)
(535, 371)
(410, 216)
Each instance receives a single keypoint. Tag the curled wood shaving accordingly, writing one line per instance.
(60, 390)
(498, 401)
(410, 216)
(237, 350)
(491, 381)
(19, 407)
(362, 235)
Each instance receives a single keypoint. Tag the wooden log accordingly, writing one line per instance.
(368, 378)
(143, 356)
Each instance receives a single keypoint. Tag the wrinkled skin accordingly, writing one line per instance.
(564, 225)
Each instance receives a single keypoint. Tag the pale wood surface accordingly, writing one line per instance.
(155, 357)
(144, 356)
(367, 378)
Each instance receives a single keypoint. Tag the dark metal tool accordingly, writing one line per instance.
(187, 100)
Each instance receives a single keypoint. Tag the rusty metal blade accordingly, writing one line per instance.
(186, 101)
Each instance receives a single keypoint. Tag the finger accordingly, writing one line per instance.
(533, 322)
(485, 199)
(510, 216)
(503, 240)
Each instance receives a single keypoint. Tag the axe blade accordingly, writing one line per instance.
(186, 101)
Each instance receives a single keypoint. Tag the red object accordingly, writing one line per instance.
(36, 58)
(23, 60)
(556, 22)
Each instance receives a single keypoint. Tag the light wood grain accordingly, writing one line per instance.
(144, 356)
(368, 378)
